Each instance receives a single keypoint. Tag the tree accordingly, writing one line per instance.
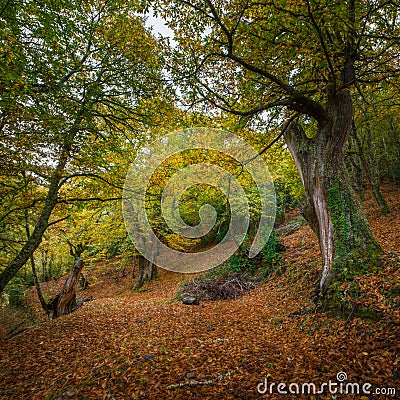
(370, 166)
(64, 302)
(376, 107)
(74, 74)
(304, 61)
(146, 271)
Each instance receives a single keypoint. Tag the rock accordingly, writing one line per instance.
(67, 395)
(192, 301)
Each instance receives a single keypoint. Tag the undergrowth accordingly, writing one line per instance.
(237, 275)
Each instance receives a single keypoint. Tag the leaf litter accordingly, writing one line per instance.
(145, 345)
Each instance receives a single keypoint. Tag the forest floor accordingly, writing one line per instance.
(147, 345)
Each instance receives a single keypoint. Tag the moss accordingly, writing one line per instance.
(356, 251)
(394, 291)
(369, 314)
(337, 301)
(342, 301)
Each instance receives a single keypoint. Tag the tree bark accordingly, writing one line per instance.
(355, 167)
(64, 302)
(43, 303)
(51, 201)
(146, 268)
(331, 207)
(147, 271)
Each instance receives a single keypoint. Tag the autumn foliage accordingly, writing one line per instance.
(146, 345)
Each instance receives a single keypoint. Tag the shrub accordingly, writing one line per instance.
(16, 292)
(264, 263)
(236, 276)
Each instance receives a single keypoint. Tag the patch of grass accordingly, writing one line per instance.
(394, 291)
(143, 289)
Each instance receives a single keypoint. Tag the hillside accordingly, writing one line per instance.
(146, 345)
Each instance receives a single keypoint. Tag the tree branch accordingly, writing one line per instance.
(324, 48)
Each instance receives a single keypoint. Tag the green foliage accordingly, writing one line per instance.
(264, 61)
(81, 88)
(196, 196)
(265, 51)
(287, 198)
(377, 123)
(263, 264)
(220, 271)
(272, 252)
(73, 79)
(16, 291)
(238, 262)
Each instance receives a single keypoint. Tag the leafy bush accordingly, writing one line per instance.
(271, 254)
(288, 196)
(264, 263)
(16, 291)
(236, 276)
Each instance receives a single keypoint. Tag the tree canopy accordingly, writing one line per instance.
(251, 56)
(84, 85)
(302, 63)
(74, 76)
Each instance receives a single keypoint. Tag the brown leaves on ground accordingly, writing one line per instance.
(142, 345)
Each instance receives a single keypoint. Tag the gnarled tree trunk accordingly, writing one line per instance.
(64, 302)
(332, 208)
(355, 167)
(147, 271)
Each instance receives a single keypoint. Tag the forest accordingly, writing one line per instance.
(199, 199)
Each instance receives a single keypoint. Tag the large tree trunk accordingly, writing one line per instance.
(332, 208)
(64, 302)
(147, 271)
(147, 268)
(355, 168)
